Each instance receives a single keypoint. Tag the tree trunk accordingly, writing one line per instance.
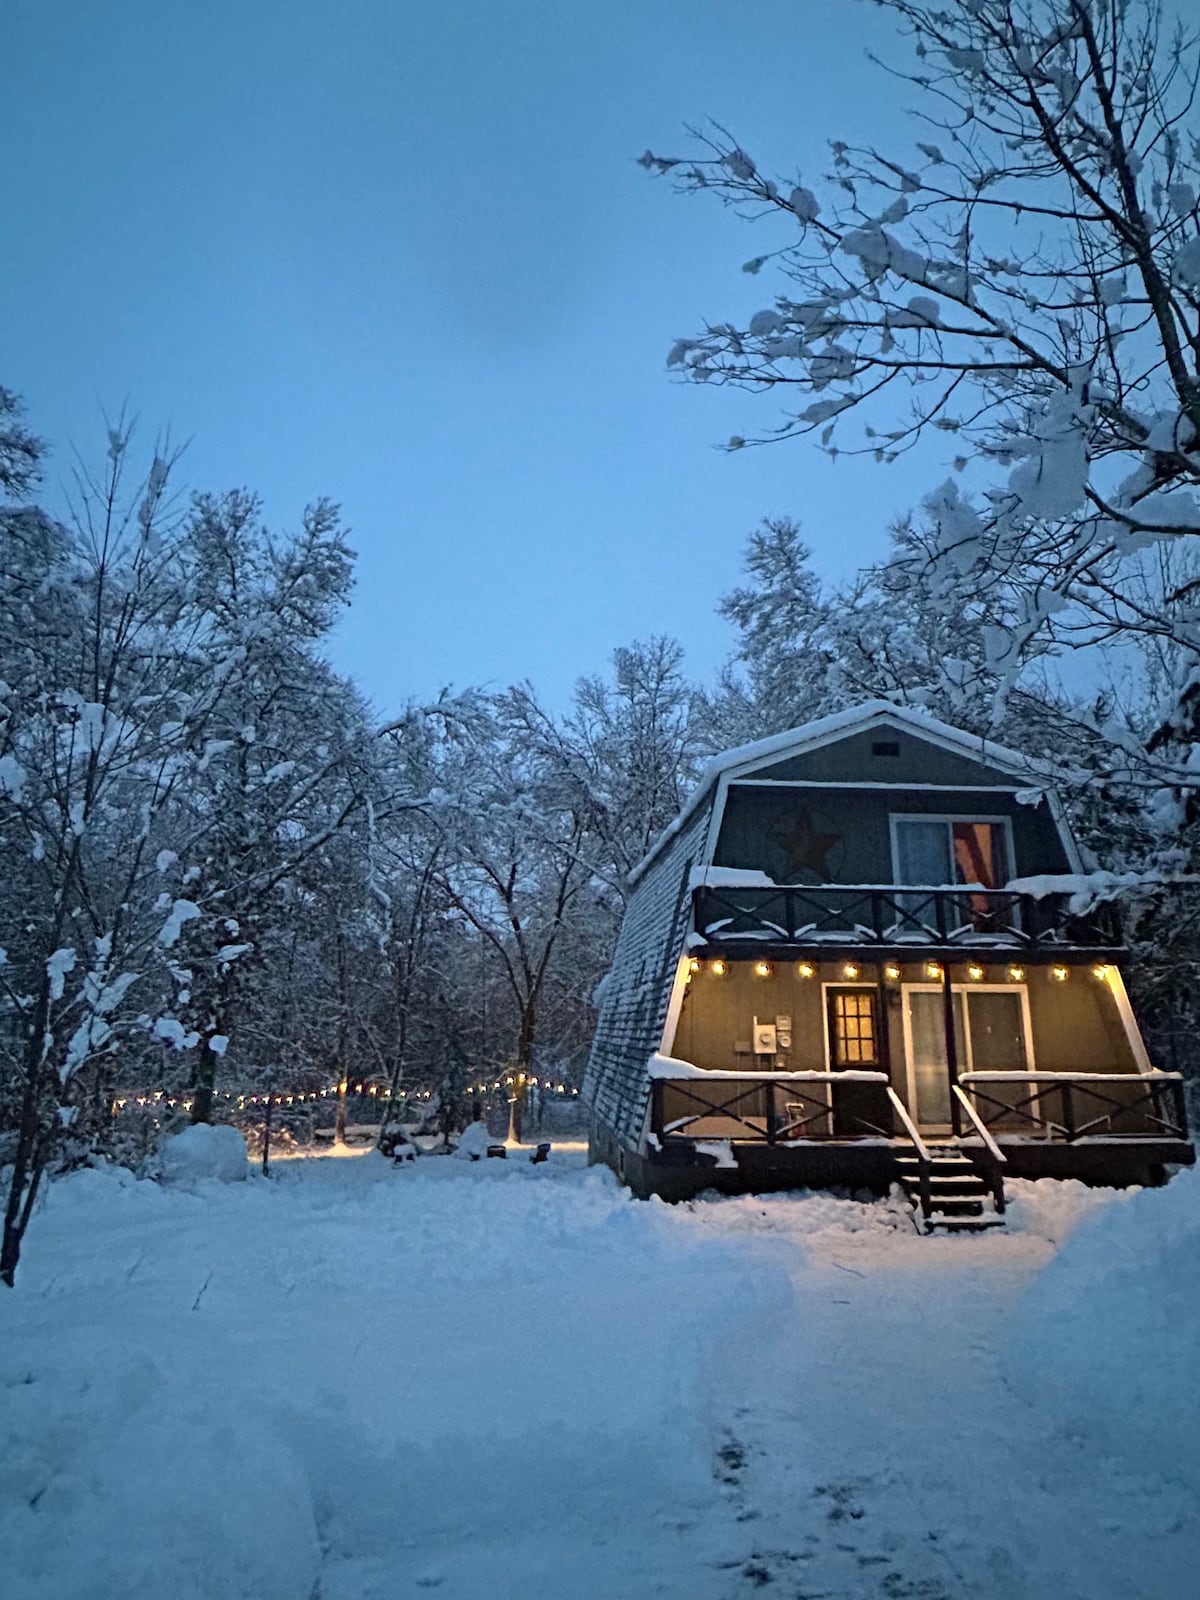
(339, 1127)
(30, 1153)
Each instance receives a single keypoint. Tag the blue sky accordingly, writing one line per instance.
(401, 254)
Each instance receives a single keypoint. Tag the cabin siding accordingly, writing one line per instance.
(637, 992)
(850, 759)
(1076, 1025)
(802, 835)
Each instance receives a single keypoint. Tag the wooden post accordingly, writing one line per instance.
(951, 1048)
(266, 1155)
(883, 1044)
(1068, 1110)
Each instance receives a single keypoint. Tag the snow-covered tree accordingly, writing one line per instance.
(625, 753)
(96, 726)
(1024, 282)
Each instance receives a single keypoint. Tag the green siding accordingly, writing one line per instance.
(843, 835)
(850, 760)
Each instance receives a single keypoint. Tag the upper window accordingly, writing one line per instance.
(939, 851)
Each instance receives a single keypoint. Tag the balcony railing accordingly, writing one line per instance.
(1065, 1107)
(776, 1108)
(891, 917)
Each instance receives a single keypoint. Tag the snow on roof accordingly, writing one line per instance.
(840, 725)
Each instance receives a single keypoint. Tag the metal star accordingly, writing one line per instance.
(804, 848)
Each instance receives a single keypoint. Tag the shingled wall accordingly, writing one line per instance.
(637, 991)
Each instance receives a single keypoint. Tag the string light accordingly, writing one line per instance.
(850, 970)
(1060, 974)
(1016, 974)
(718, 968)
(805, 969)
(974, 972)
(763, 969)
(932, 969)
(892, 972)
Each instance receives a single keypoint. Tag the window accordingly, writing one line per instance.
(852, 1032)
(940, 851)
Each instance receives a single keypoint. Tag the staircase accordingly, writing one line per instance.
(949, 1191)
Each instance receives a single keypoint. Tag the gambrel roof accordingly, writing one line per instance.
(865, 717)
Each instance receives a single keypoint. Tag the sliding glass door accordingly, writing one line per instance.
(991, 1034)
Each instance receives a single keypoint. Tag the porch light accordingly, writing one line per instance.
(694, 964)
(1060, 974)
(932, 970)
(805, 969)
(892, 972)
(1017, 974)
(974, 972)
(763, 969)
(718, 968)
(1101, 972)
(850, 970)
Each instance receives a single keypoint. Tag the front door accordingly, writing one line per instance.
(853, 1023)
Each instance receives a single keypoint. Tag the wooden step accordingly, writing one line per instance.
(964, 1224)
(968, 1179)
(965, 1206)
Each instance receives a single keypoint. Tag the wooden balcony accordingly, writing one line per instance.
(891, 919)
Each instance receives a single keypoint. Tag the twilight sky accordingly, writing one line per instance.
(400, 253)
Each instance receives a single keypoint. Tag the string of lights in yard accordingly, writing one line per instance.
(160, 1098)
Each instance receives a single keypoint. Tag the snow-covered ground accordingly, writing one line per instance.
(498, 1379)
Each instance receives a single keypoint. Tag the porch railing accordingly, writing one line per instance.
(776, 1108)
(890, 915)
(1069, 1106)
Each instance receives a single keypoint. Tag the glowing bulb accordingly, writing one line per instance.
(694, 965)
(891, 972)
(763, 969)
(1059, 974)
(932, 970)
(850, 970)
(718, 968)
(805, 969)
(974, 972)
(1017, 974)
(1101, 972)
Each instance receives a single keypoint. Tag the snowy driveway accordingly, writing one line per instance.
(498, 1380)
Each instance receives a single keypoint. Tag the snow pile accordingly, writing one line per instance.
(1104, 1342)
(203, 1152)
(473, 1141)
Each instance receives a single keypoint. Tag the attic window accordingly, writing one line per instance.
(885, 747)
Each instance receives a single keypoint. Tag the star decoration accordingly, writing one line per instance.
(804, 847)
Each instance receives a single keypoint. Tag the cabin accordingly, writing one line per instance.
(862, 956)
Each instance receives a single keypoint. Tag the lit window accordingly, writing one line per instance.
(853, 1031)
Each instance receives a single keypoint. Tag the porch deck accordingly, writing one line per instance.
(823, 1129)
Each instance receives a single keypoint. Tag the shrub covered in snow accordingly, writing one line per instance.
(1104, 1340)
(201, 1151)
(473, 1141)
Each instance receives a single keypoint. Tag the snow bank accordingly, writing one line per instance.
(203, 1152)
(1104, 1342)
(362, 1384)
